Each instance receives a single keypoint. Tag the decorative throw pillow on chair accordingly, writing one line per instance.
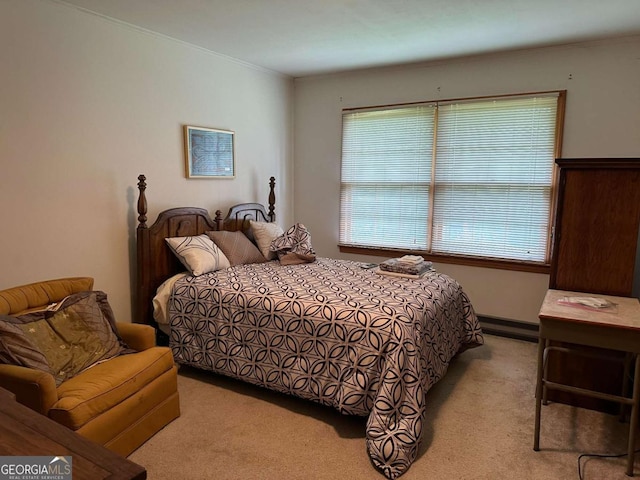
(65, 339)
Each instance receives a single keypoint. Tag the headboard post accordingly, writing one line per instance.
(142, 201)
(141, 313)
(219, 220)
(272, 199)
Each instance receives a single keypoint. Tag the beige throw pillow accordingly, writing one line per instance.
(265, 233)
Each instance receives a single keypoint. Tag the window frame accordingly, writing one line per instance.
(470, 260)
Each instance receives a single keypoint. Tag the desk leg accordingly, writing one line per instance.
(633, 424)
(628, 358)
(536, 435)
(545, 362)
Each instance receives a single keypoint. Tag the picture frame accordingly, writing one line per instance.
(209, 152)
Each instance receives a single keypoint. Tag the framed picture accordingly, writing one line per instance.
(209, 152)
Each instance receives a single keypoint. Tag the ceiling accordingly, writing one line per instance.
(310, 37)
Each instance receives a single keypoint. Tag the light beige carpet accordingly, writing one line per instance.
(479, 426)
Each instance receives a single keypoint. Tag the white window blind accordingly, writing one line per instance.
(488, 176)
(386, 163)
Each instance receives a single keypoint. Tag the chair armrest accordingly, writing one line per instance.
(34, 388)
(136, 335)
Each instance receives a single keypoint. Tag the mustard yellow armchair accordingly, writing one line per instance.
(119, 403)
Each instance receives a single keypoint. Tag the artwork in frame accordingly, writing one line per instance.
(209, 152)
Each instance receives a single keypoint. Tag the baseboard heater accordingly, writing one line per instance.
(509, 328)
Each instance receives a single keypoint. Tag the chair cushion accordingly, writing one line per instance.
(105, 385)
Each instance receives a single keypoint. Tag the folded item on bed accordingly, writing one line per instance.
(397, 265)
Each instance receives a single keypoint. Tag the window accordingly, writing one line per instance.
(470, 178)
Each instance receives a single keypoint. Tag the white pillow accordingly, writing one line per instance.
(265, 233)
(198, 254)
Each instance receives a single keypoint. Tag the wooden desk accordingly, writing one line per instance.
(24, 432)
(615, 329)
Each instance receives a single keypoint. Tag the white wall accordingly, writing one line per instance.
(87, 104)
(602, 120)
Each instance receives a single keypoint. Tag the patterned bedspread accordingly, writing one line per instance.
(332, 332)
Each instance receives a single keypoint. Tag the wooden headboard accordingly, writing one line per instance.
(155, 260)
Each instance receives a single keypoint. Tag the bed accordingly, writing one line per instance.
(329, 331)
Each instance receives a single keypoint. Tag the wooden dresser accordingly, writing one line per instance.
(595, 250)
